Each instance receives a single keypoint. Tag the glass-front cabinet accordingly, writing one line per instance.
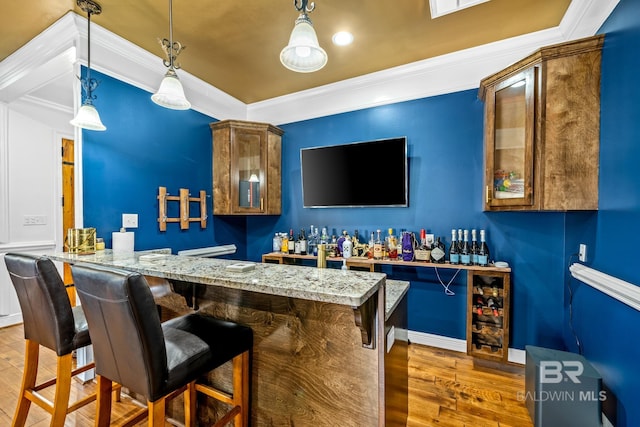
(509, 142)
(542, 130)
(246, 168)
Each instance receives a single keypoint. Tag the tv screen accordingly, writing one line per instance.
(370, 173)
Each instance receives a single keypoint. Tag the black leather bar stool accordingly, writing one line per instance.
(49, 321)
(154, 359)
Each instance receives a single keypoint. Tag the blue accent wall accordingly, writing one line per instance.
(445, 146)
(609, 330)
(145, 147)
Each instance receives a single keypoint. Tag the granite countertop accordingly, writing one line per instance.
(345, 287)
(395, 290)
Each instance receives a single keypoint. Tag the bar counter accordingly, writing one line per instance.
(323, 354)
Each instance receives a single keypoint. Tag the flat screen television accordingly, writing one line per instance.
(358, 174)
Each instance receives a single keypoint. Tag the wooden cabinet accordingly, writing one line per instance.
(542, 130)
(489, 295)
(246, 168)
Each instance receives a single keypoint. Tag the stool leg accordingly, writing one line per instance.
(32, 350)
(156, 412)
(190, 405)
(63, 389)
(103, 402)
(241, 388)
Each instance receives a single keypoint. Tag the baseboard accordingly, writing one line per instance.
(455, 344)
(10, 320)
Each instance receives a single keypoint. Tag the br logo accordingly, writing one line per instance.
(553, 372)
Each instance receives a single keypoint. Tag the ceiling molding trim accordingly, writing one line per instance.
(127, 62)
(585, 17)
(46, 46)
(449, 73)
(43, 103)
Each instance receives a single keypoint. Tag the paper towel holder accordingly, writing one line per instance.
(184, 200)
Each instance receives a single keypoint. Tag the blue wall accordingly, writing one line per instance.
(607, 329)
(147, 146)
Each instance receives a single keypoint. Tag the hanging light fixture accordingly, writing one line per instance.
(303, 53)
(171, 94)
(88, 117)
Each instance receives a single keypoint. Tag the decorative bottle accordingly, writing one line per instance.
(465, 251)
(483, 251)
(454, 256)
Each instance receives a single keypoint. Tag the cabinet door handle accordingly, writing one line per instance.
(261, 203)
(487, 194)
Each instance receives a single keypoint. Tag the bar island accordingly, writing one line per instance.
(330, 346)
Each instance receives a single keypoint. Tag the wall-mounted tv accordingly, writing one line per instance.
(358, 174)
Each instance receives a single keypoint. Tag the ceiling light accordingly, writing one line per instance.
(303, 53)
(87, 116)
(171, 94)
(342, 38)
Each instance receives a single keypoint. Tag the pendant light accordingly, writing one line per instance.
(171, 94)
(303, 54)
(87, 116)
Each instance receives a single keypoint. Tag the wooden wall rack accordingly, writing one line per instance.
(185, 200)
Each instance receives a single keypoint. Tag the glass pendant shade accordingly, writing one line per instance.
(303, 53)
(88, 118)
(171, 94)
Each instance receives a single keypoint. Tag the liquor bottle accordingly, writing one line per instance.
(479, 304)
(465, 252)
(324, 238)
(423, 253)
(347, 247)
(311, 243)
(277, 243)
(372, 242)
(474, 248)
(378, 249)
(292, 242)
(491, 303)
(303, 242)
(284, 242)
(437, 251)
(483, 251)
(340, 242)
(355, 240)
(454, 256)
(392, 245)
(296, 247)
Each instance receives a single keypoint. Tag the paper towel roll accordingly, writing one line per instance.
(122, 241)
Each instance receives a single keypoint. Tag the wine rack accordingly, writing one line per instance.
(488, 316)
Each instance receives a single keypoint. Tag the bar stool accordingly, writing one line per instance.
(49, 321)
(154, 359)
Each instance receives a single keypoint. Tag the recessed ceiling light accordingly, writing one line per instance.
(342, 38)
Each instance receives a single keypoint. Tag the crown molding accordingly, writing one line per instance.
(449, 73)
(121, 59)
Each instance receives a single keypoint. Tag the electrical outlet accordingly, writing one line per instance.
(582, 253)
(130, 220)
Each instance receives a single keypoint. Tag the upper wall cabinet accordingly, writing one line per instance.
(246, 168)
(542, 130)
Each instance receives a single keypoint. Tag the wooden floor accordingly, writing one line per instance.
(445, 389)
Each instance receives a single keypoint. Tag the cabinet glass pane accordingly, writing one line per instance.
(249, 173)
(509, 155)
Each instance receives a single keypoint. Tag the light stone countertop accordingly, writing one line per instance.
(344, 287)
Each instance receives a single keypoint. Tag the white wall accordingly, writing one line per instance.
(30, 185)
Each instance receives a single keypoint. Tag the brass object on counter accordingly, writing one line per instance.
(322, 255)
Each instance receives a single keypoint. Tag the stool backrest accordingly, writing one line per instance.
(46, 309)
(125, 327)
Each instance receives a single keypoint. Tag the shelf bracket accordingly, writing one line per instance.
(365, 319)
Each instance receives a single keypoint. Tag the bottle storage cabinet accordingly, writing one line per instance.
(488, 314)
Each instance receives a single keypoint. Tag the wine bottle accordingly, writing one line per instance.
(437, 252)
(372, 242)
(474, 248)
(292, 242)
(483, 251)
(479, 304)
(465, 251)
(378, 250)
(454, 256)
(491, 303)
(303, 242)
(296, 247)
